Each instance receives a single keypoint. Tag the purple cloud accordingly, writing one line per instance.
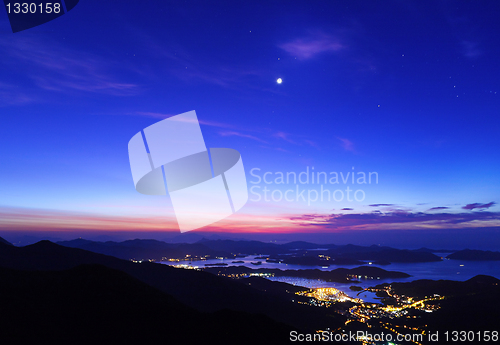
(395, 219)
(378, 205)
(347, 209)
(307, 48)
(438, 208)
(478, 205)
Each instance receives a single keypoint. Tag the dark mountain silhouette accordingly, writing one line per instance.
(483, 279)
(299, 252)
(426, 287)
(347, 261)
(303, 249)
(385, 254)
(200, 290)
(475, 255)
(301, 245)
(471, 305)
(93, 304)
(340, 275)
(244, 247)
(305, 260)
(4, 241)
(431, 250)
(192, 237)
(145, 249)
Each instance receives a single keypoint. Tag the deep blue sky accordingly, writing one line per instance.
(409, 90)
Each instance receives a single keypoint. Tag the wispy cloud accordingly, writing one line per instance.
(12, 218)
(11, 95)
(478, 206)
(347, 144)
(378, 205)
(167, 115)
(309, 47)
(56, 68)
(284, 136)
(242, 135)
(438, 208)
(312, 143)
(187, 66)
(261, 135)
(229, 77)
(153, 114)
(471, 49)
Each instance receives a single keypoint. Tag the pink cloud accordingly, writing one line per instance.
(13, 219)
(307, 48)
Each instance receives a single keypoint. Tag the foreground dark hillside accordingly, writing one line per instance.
(202, 291)
(92, 304)
(56, 294)
(471, 305)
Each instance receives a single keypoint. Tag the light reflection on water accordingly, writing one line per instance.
(445, 269)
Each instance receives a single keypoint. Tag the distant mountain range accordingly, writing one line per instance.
(475, 255)
(147, 249)
(339, 275)
(301, 253)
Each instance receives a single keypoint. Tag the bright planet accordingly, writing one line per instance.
(279, 81)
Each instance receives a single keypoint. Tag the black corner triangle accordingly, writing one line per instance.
(70, 4)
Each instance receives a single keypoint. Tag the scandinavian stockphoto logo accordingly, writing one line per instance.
(205, 185)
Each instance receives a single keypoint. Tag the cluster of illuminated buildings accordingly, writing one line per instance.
(321, 295)
(325, 297)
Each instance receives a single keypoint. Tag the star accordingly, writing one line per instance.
(279, 80)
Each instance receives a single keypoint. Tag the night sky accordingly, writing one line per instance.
(407, 89)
